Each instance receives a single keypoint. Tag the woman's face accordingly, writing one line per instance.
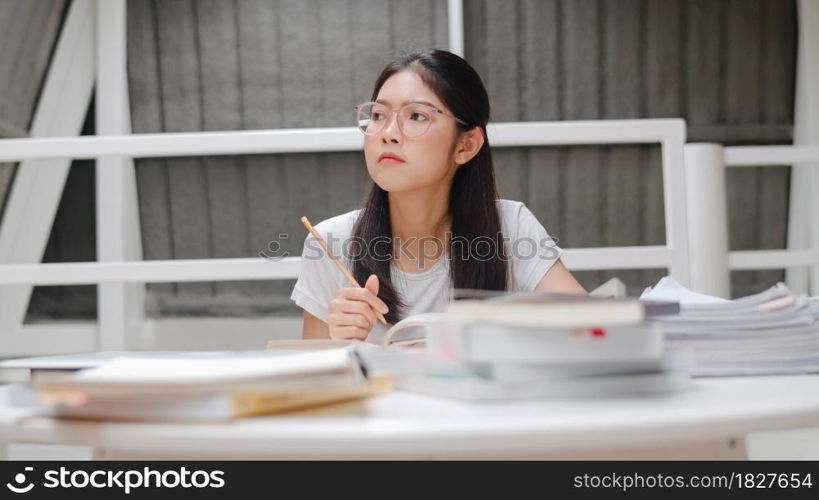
(423, 161)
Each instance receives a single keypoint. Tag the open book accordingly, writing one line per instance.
(412, 330)
(409, 332)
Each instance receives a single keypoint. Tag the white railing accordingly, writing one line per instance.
(711, 261)
(670, 134)
(91, 50)
(329, 139)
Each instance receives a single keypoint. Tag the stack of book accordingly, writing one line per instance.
(203, 389)
(772, 332)
(514, 346)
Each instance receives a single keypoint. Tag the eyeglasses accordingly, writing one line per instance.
(414, 118)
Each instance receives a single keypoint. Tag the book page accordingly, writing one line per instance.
(174, 370)
(669, 289)
(411, 328)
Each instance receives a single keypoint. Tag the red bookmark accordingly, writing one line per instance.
(598, 332)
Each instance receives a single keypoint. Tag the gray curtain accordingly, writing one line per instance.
(727, 67)
(28, 32)
(215, 65)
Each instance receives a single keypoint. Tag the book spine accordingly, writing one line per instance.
(569, 345)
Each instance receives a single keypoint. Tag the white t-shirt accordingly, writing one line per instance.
(529, 248)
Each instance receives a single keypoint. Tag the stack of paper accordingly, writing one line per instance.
(771, 332)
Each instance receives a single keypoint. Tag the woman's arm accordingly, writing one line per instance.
(559, 279)
(314, 328)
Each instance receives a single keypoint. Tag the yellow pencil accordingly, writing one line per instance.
(338, 263)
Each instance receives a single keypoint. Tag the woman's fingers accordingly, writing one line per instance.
(363, 295)
(352, 312)
(354, 319)
(352, 332)
(348, 332)
(358, 307)
(372, 284)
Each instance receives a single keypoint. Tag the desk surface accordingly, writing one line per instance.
(406, 425)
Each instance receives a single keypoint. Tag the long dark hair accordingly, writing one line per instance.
(472, 199)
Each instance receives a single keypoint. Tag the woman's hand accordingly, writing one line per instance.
(352, 312)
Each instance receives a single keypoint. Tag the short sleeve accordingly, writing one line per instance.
(318, 281)
(533, 251)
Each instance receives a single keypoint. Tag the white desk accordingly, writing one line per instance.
(707, 421)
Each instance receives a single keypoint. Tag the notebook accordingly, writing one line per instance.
(199, 406)
(217, 388)
(60, 366)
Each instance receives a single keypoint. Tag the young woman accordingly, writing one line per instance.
(431, 221)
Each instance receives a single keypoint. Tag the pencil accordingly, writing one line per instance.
(337, 262)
